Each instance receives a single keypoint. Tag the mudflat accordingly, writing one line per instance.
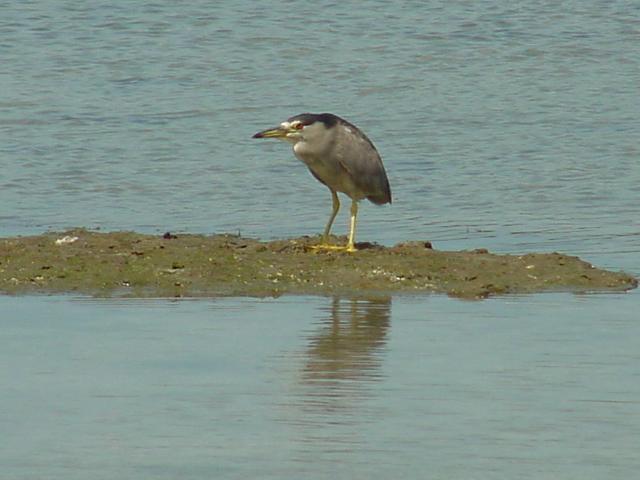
(129, 264)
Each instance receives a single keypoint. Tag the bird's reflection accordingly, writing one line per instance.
(334, 388)
(340, 364)
(347, 346)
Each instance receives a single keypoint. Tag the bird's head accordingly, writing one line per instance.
(306, 126)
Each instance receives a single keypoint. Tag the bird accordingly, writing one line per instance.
(340, 156)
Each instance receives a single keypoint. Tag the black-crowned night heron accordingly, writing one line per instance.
(339, 155)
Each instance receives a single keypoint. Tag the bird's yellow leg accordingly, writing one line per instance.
(352, 231)
(334, 211)
(325, 245)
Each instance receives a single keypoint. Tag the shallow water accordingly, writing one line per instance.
(512, 127)
(522, 387)
(507, 126)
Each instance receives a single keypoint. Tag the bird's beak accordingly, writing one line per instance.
(278, 132)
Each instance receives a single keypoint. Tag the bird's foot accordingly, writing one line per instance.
(327, 247)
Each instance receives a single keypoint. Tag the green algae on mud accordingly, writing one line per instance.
(135, 265)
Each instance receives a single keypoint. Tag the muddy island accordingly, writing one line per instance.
(128, 264)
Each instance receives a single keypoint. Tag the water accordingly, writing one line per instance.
(506, 126)
(521, 387)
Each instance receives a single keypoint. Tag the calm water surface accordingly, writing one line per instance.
(506, 125)
(527, 387)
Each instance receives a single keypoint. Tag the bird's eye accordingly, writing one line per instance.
(298, 126)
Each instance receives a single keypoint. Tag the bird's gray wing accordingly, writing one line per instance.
(359, 158)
